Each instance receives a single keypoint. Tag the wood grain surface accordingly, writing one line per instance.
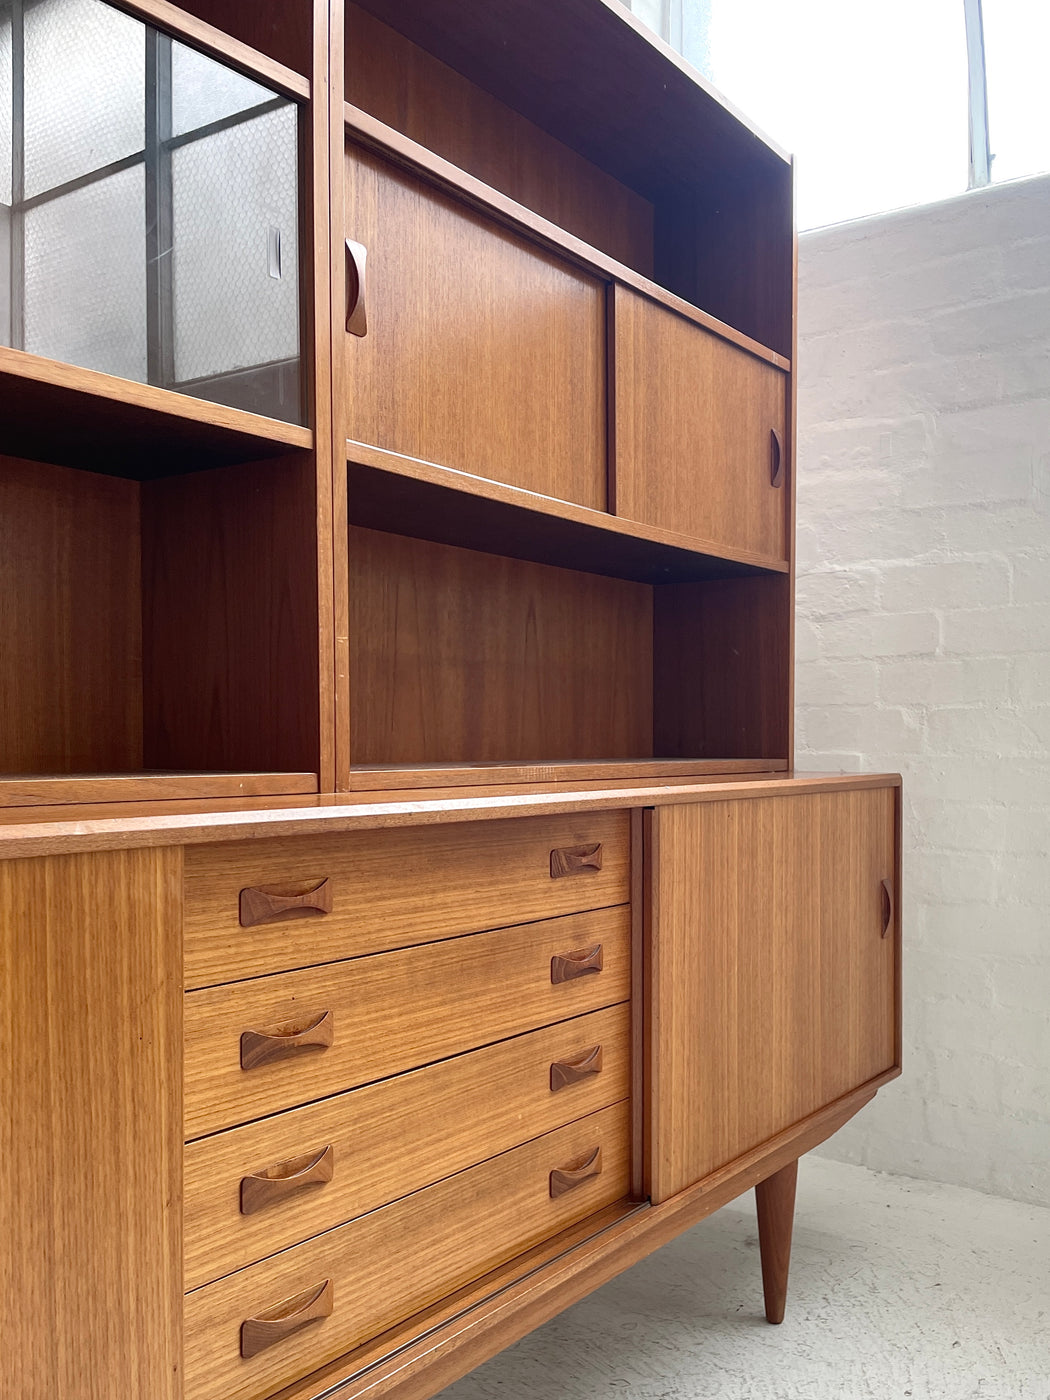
(722, 668)
(459, 656)
(400, 1259)
(230, 604)
(418, 1127)
(470, 328)
(391, 889)
(774, 987)
(403, 495)
(692, 421)
(90, 1039)
(410, 90)
(134, 825)
(70, 621)
(392, 1012)
(418, 1359)
(81, 418)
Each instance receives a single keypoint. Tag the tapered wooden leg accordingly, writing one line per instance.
(775, 1198)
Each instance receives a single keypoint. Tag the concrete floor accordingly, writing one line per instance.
(898, 1288)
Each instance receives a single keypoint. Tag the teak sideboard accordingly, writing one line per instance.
(410, 913)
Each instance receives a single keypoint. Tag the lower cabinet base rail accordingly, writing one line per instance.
(419, 1359)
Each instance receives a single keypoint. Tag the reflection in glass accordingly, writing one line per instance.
(229, 191)
(203, 91)
(85, 79)
(148, 208)
(85, 276)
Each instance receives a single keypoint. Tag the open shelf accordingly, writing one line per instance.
(78, 417)
(158, 636)
(469, 667)
(560, 119)
(387, 491)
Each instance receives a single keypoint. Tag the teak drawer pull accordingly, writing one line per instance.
(776, 458)
(261, 906)
(566, 1072)
(262, 1047)
(575, 860)
(356, 310)
(887, 906)
(567, 966)
(287, 1318)
(284, 1179)
(568, 1178)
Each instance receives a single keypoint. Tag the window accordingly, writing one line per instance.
(873, 99)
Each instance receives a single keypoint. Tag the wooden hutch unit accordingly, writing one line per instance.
(410, 917)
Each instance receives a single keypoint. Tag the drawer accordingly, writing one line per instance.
(382, 1268)
(256, 907)
(391, 1012)
(305, 1172)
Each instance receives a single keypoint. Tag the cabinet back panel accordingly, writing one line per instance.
(230, 602)
(723, 668)
(276, 28)
(70, 621)
(407, 88)
(459, 656)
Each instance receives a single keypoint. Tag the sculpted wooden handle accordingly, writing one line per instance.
(575, 860)
(262, 1047)
(356, 310)
(260, 906)
(565, 1072)
(287, 1318)
(284, 1179)
(887, 906)
(567, 966)
(568, 1178)
(776, 458)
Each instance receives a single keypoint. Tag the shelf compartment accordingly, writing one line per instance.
(387, 491)
(159, 637)
(469, 667)
(77, 417)
(557, 117)
(31, 790)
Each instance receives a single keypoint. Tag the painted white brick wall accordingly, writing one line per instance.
(924, 645)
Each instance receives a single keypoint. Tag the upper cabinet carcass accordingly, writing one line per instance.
(570, 288)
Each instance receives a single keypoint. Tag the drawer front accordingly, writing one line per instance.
(255, 1190)
(257, 907)
(391, 1012)
(381, 1269)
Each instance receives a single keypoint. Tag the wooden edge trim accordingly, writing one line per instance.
(223, 46)
(199, 826)
(898, 931)
(164, 402)
(383, 779)
(640, 877)
(72, 790)
(422, 1368)
(387, 141)
(361, 454)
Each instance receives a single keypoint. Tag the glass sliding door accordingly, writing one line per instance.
(148, 208)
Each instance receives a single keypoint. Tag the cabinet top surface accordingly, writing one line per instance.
(41, 831)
